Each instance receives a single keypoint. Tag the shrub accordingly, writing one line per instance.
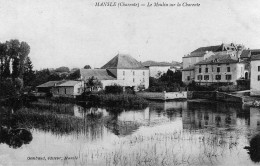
(114, 89)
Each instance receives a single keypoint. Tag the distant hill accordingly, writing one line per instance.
(154, 63)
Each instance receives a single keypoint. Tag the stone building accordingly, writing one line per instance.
(121, 70)
(255, 75)
(203, 53)
(68, 89)
(157, 69)
(220, 68)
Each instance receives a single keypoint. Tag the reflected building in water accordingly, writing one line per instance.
(254, 122)
(198, 116)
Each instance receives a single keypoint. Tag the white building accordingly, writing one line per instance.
(203, 53)
(121, 70)
(68, 89)
(157, 69)
(255, 75)
(219, 68)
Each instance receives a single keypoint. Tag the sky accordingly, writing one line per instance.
(75, 33)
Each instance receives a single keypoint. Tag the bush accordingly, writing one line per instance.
(115, 89)
(119, 100)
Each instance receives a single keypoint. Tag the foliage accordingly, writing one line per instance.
(87, 67)
(169, 82)
(114, 89)
(119, 100)
(75, 75)
(29, 74)
(62, 69)
(92, 82)
(7, 89)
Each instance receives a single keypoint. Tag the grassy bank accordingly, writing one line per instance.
(118, 100)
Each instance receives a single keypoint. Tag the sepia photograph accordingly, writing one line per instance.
(129, 83)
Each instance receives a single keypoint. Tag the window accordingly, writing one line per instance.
(65, 91)
(199, 70)
(199, 77)
(258, 68)
(228, 69)
(188, 78)
(133, 72)
(218, 77)
(228, 77)
(206, 70)
(206, 77)
(218, 69)
(123, 73)
(133, 80)
(143, 73)
(143, 80)
(258, 77)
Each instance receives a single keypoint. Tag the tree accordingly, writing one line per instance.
(75, 75)
(24, 51)
(62, 69)
(92, 82)
(87, 67)
(3, 50)
(29, 74)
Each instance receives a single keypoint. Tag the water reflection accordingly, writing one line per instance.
(214, 131)
(254, 148)
(15, 138)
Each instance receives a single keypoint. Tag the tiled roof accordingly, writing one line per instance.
(219, 58)
(255, 51)
(49, 84)
(255, 57)
(209, 48)
(69, 83)
(123, 62)
(100, 74)
(245, 54)
(153, 63)
(189, 68)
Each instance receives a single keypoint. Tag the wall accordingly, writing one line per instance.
(70, 90)
(189, 61)
(236, 72)
(154, 70)
(254, 83)
(213, 95)
(133, 77)
(163, 95)
(185, 74)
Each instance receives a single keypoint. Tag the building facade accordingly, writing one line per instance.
(219, 68)
(121, 70)
(255, 75)
(68, 89)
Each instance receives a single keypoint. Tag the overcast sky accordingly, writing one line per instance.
(74, 33)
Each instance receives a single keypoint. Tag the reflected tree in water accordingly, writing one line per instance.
(15, 138)
(254, 148)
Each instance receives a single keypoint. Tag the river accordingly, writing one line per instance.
(164, 133)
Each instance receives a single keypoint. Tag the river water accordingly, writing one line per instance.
(164, 133)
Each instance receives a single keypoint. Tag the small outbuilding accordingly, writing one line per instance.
(69, 89)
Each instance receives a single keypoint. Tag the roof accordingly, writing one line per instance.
(245, 54)
(100, 74)
(208, 48)
(255, 51)
(255, 57)
(198, 54)
(218, 59)
(153, 63)
(69, 83)
(189, 68)
(217, 48)
(49, 84)
(121, 61)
